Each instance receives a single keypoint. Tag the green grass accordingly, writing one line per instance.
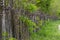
(49, 31)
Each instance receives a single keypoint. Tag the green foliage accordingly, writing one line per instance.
(30, 7)
(34, 5)
(28, 23)
(4, 34)
(12, 38)
(44, 5)
(40, 22)
(38, 1)
(26, 5)
(55, 7)
(48, 32)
